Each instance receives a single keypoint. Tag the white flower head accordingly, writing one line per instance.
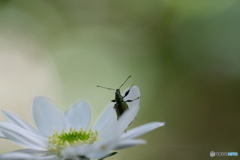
(67, 136)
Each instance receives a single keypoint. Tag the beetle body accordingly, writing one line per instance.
(120, 105)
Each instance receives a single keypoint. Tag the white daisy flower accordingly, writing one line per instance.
(68, 136)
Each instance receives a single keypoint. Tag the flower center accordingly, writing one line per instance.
(64, 139)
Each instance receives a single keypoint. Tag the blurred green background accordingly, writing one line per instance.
(183, 54)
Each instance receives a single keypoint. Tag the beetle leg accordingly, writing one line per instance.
(127, 92)
(130, 100)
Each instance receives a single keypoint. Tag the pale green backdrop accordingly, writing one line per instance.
(183, 54)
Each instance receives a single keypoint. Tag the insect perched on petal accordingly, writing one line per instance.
(121, 105)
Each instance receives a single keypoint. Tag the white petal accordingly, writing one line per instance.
(16, 156)
(73, 152)
(22, 137)
(107, 118)
(14, 119)
(107, 123)
(126, 119)
(25, 156)
(48, 157)
(117, 127)
(1, 135)
(47, 116)
(28, 154)
(132, 95)
(79, 115)
(32, 151)
(129, 143)
(103, 147)
(140, 130)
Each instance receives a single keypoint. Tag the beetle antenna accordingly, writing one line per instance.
(106, 88)
(124, 82)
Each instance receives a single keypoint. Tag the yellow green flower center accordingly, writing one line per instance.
(74, 137)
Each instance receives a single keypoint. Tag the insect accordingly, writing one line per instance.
(120, 106)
